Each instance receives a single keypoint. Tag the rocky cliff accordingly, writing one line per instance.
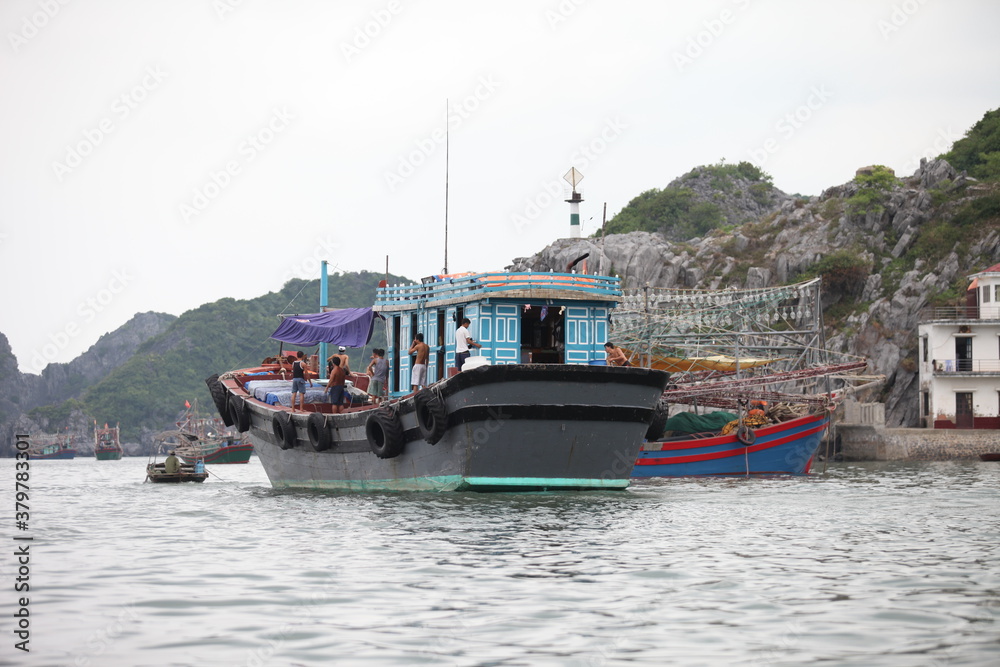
(22, 392)
(916, 247)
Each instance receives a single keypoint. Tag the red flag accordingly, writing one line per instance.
(186, 404)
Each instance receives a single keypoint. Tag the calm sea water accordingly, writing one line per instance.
(867, 564)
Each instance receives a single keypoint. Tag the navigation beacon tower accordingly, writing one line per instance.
(573, 177)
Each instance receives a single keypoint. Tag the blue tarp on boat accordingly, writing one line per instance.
(350, 327)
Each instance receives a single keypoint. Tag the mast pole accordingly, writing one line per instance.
(446, 156)
(324, 296)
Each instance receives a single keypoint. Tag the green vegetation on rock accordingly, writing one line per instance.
(680, 213)
(978, 153)
(873, 188)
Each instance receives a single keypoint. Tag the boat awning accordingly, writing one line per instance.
(350, 327)
(719, 362)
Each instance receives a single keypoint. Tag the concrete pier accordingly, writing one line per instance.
(862, 436)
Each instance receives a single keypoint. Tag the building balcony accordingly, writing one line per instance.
(987, 312)
(966, 367)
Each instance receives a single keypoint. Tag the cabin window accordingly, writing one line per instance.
(486, 329)
(541, 335)
(996, 292)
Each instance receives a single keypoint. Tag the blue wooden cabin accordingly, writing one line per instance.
(518, 318)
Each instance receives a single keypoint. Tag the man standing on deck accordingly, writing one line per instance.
(299, 381)
(335, 386)
(418, 376)
(463, 341)
(378, 369)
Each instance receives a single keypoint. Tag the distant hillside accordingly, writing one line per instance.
(23, 392)
(147, 391)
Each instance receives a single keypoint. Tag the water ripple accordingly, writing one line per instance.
(867, 564)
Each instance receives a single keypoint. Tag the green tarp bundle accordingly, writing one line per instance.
(688, 422)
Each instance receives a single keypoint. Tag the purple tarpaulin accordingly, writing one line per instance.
(350, 327)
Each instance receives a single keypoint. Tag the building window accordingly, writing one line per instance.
(986, 293)
(925, 404)
(924, 342)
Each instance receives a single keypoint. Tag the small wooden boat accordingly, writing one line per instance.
(156, 473)
(786, 448)
(990, 456)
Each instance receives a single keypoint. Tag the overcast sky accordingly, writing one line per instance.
(161, 154)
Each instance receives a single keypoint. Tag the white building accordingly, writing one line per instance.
(959, 359)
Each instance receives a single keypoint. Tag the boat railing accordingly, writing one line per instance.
(603, 287)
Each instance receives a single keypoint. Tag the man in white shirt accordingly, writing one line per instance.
(462, 343)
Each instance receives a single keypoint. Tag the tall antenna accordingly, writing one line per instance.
(446, 186)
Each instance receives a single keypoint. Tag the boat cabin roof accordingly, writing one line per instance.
(439, 291)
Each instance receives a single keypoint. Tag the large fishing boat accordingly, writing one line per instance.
(51, 447)
(530, 412)
(208, 439)
(106, 444)
(753, 385)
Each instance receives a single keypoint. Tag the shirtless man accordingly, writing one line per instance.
(616, 357)
(418, 376)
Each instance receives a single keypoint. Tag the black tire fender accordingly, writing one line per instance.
(384, 433)
(746, 435)
(219, 393)
(319, 435)
(239, 414)
(283, 429)
(660, 414)
(432, 416)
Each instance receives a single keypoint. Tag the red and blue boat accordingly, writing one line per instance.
(785, 448)
(757, 357)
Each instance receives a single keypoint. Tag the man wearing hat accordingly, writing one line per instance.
(345, 361)
(171, 465)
